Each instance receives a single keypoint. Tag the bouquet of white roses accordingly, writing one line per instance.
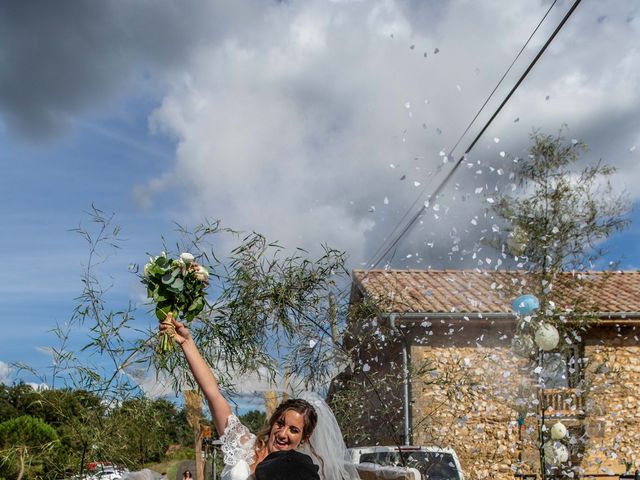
(177, 286)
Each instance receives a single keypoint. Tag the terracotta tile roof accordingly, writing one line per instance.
(474, 291)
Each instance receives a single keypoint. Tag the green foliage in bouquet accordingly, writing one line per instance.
(177, 287)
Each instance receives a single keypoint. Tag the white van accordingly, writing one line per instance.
(433, 463)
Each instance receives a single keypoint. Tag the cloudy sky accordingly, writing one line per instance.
(309, 121)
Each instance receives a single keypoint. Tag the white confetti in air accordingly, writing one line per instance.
(632, 149)
(574, 141)
(479, 190)
(496, 139)
(312, 343)
(459, 88)
(372, 209)
(490, 200)
(416, 184)
(386, 200)
(391, 165)
(407, 105)
(366, 367)
(442, 154)
(500, 171)
(474, 222)
(502, 154)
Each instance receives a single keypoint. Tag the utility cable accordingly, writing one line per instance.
(421, 195)
(444, 182)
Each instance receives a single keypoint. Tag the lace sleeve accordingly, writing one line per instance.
(237, 442)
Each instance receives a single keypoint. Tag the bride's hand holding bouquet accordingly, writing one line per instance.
(177, 287)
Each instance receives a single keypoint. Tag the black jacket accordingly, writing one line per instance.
(287, 465)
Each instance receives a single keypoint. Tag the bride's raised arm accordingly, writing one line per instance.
(220, 409)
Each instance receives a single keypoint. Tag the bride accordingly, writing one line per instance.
(298, 426)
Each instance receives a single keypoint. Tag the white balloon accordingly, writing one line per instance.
(555, 453)
(547, 337)
(558, 431)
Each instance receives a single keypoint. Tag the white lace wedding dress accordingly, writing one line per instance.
(238, 450)
(325, 447)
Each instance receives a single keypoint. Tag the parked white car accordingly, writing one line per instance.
(433, 463)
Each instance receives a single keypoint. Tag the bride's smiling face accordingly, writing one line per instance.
(286, 432)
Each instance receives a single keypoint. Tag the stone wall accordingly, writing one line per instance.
(473, 399)
(613, 406)
(469, 392)
(474, 409)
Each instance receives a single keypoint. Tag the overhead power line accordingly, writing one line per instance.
(450, 154)
(379, 257)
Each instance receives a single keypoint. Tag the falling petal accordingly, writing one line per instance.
(496, 139)
(416, 184)
(391, 165)
(502, 154)
(386, 200)
(479, 190)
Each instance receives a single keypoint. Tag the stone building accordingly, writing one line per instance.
(440, 350)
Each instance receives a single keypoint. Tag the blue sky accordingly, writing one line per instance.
(312, 122)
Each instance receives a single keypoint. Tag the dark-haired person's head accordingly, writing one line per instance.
(287, 465)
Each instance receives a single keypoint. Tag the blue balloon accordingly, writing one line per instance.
(525, 305)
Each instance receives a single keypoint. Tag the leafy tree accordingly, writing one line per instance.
(558, 222)
(24, 442)
(254, 420)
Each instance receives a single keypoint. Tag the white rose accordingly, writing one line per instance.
(186, 257)
(202, 273)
